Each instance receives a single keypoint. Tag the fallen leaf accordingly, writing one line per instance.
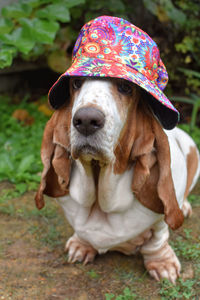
(83, 296)
(161, 14)
(23, 116)
(45, 110)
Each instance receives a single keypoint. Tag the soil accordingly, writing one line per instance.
(33, 264)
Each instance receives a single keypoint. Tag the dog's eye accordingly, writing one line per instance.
(76, 84)
(124, 87)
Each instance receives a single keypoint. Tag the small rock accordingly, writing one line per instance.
(72, 271)
(83, 296)
(188, 273)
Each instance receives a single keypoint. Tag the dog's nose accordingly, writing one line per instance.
(87, 120)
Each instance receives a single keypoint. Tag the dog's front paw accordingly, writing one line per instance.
(79, 250)
(163, 264)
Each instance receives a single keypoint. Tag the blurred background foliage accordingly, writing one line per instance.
(31, 29)
(45, 31)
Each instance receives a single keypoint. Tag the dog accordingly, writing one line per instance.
(120, 177)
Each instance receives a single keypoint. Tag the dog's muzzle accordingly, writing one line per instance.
(88, 120)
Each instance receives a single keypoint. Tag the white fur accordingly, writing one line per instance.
(182, 142)
(114, 223)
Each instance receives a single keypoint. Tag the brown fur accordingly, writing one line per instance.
(158, 192)
(127, 137)
(55, 157)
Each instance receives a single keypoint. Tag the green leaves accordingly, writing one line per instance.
(20, 156)
(24, 38)
(6, 55)
(127, 295)
(21, 39)
(71, 3)
(26, 163)
(183, 289)
(6, 25)
(28, 24)
(165, 10)
(54, 12)
(42, 31)
(6, 166)
(16, 10)
(34, 3)
(45, 31)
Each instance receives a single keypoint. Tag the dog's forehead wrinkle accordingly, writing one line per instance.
(96, 88)
(97, 92)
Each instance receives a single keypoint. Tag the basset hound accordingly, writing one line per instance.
(120, 178)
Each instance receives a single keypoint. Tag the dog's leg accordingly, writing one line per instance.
(79, 250)
(159, 258)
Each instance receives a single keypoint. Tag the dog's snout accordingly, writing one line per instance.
(87, 120)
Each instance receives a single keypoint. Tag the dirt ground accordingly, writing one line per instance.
(33, 265)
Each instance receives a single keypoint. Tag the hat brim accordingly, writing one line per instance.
(92, 67)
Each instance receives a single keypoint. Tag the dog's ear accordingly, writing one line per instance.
(165, 187)
(152, 181)
(55, 157)
(142, 151)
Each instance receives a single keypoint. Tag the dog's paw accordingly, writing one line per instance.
(79, 251)
(163, 265)
(187, 209)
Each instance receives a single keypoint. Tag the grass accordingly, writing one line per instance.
(93, 274)
(182, 290)
(194, 200)
(188, 249)
(47, 229)
(126, 295)
(8, 205)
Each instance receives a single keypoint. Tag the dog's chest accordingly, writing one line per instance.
(109, 216)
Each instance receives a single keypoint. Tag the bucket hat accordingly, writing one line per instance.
(113, 47)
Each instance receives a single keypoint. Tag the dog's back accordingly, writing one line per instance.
(185, 164)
